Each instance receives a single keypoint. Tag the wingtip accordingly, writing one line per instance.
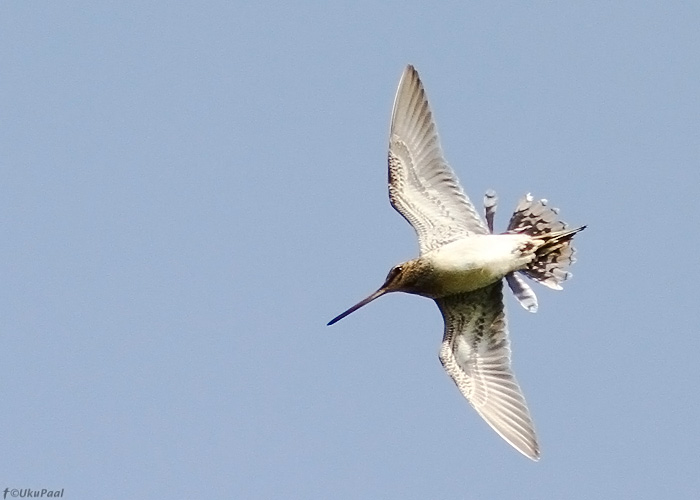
(409, 74)
(409, 92)
(529, 449)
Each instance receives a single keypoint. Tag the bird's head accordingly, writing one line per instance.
(405, 277)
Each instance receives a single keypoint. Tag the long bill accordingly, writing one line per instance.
(364, 302)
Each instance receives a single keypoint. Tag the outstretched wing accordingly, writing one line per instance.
(422, 186)
(476, 354)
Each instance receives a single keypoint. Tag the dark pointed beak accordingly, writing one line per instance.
(364, 302)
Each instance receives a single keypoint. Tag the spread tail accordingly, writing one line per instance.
(554, 252)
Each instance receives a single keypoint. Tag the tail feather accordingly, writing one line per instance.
(554, 252)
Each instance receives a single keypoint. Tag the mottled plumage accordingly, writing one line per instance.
(462, 264)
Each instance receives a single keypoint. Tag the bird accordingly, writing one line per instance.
(462, 264)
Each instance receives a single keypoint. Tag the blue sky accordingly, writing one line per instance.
(190, 191)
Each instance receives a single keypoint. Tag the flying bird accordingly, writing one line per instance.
(462, 264)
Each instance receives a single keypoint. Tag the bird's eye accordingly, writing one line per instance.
(395, 271)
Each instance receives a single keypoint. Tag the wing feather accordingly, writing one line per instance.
(422, 186)
(476, 354)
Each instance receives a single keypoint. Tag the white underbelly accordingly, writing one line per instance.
(475, 262)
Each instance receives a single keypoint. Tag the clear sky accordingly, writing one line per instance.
(190, 191)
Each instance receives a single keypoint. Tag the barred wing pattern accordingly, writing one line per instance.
(476, 354)
(422, 186)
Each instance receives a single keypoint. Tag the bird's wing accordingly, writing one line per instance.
(476, 354)
(422, 186)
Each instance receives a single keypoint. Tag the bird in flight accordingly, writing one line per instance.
(462, 264)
